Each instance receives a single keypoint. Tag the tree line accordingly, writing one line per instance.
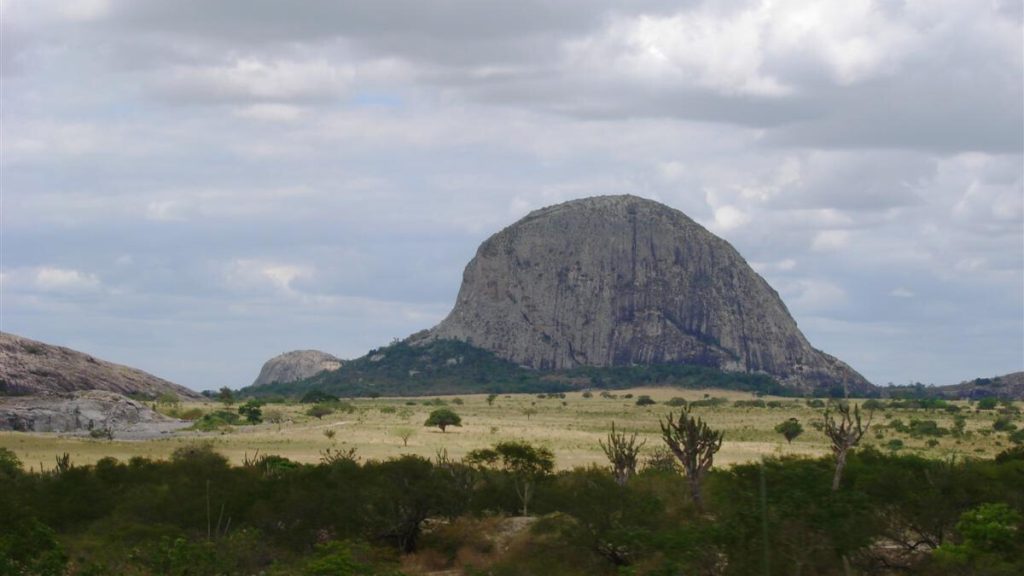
(853, 512)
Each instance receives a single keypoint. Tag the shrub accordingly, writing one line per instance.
(987, 404)
(216, 421)
(645, 400)
(318, 411)
(1003, 424)
(708, 402)
(676, 402)
(317, 397)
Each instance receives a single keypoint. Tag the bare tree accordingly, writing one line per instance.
(623, 453)
(845, 430)
(694, 444)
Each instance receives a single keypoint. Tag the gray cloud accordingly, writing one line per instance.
(195, 187)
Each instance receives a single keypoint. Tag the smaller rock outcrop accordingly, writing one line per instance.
(83, 412)
(296, 365)
(33, 367)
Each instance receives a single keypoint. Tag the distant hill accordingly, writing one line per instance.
(295, 365)
(30, 367)
(455, 367)
(1008, 386)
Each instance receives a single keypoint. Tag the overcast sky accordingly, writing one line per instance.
(192, 187)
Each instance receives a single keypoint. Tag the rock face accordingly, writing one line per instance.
(296, 365)
(620, 280)
(31, 367)
(82, 412)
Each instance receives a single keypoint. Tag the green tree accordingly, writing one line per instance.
(226, 396)
(491, 398)
(404, 433)
(524, 462)
(694, 444)
(252, 411)
(790, 429)
(318, 411)
(992, 542)
(443, 418)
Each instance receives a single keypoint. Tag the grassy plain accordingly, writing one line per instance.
(570, 427)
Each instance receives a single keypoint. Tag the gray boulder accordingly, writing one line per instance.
(296, 365)
(82, 412)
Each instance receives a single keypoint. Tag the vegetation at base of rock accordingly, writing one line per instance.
(454, 367)
(195, 514)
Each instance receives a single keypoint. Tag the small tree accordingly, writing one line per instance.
(443, 418)
(528, 412)
(491, 398)
(790, 429)
(252, 411)
(844, 432)
(404, 434)
(524, 462)
(318, 411)
(694, 444)
(226, 396)
(623, 453)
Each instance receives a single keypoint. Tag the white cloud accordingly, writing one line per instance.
(813, 295)
(248, 275)
(270, 112)
(60, 279)
(831, 240)
(902, 293)
(729, 218)
(691, 48)
(262, 79)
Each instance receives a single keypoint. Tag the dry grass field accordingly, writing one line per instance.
(570, 427)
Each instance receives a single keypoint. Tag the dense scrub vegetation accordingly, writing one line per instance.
(453, 367)
(195, 514)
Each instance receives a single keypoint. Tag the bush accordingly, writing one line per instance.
(987, 404)
(708, 402)
(318, 411)
(1003, 424)
(317, 397)
(676, 402)
(216, 421)
(645, 400)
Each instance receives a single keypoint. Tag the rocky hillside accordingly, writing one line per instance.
(621, 281)
(1008, 387)
(32, 367)
(295, 365)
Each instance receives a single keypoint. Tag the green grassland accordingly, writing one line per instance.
(571, 427)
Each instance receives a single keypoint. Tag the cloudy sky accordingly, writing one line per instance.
(192, 187)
